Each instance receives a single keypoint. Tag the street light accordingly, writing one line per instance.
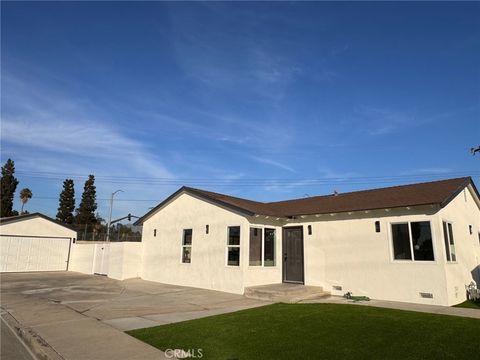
(110, 215)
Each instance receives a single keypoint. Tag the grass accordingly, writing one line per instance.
(469, 304)
(320, 331)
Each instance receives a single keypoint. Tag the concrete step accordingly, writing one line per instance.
(285, 292)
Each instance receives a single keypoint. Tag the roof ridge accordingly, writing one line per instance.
(371, 190)
(413, 194)
(221, 194)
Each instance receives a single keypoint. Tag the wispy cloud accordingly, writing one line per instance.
(273, 163)
(382, 121)
(46, 132)
(379, 121)
(428, 171)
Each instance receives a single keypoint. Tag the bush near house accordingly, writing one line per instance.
(470, 304)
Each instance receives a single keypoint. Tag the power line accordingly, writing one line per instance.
(243, 181)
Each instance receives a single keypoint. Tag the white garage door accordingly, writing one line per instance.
(32, 253)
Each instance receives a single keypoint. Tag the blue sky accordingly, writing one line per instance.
(261, 100)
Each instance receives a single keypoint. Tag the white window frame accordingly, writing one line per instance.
(185, 246)
(263, 228)
(412, 254)
(233, 246)
(449, 249)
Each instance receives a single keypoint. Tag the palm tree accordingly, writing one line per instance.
(25, 195)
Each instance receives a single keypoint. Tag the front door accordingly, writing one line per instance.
(293, 254)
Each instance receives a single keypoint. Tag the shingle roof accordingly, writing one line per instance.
(428, 193)
(436, 192)
(10, 219)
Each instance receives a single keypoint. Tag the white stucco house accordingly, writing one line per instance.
(416, 243)
(34, 242)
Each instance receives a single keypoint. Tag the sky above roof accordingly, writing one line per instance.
(267, 101)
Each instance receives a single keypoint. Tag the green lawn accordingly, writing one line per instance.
(469, 304)
(321, 331)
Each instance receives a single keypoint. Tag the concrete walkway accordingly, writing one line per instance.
(68, 315)
(432, 309)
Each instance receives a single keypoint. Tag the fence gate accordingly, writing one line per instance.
(100, 265)
(34, 253)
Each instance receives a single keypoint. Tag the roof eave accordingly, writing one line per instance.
(12, 219)
(192, 191)
(468, 181)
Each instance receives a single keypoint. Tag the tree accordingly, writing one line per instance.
(25, 195)
(8, 185)
(66, 205)
(88, 204)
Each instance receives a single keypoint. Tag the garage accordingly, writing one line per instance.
(34, 242)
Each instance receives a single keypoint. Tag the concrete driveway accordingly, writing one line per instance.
(81, 316)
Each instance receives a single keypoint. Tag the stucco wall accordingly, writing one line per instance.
(462, 212)
(82, 257)
(208, 269)
(124, 258)
(36, 226)
(344, 250)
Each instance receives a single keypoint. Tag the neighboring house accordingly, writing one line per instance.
(415, 243)
(34, 242)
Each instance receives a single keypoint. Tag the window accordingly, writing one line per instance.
(187, 246)
(401, 242)
(377, 226)
(262, 250)
(449, 241)
(412, 241)
(422, 241)
(233, 246)
(255, 247)
(207, 229)
(269, 254)
(309, 229)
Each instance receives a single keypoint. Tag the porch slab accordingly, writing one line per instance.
(286, 292)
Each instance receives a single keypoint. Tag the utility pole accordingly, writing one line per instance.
(110, 214)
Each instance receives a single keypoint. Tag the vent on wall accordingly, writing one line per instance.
(337, 287)
(426, 295)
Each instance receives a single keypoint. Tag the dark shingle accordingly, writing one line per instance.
(428, 193)
(435, 192)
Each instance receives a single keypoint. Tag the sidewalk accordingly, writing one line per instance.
(432, 309)
(72, 316)
(57, 332)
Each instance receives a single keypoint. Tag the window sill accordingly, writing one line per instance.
(423, 262)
